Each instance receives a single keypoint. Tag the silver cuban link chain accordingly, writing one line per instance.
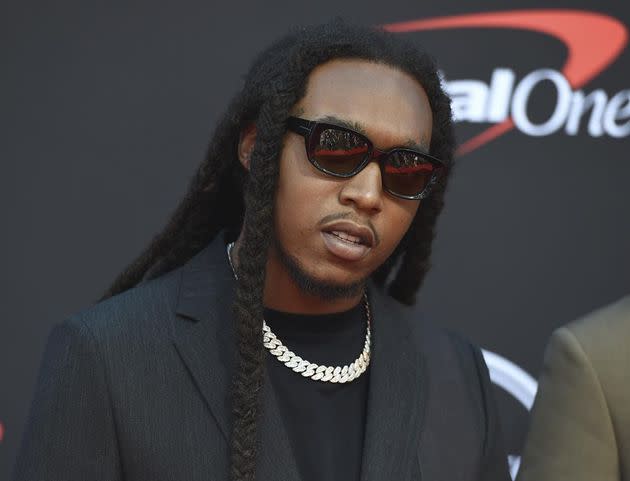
(317, 372)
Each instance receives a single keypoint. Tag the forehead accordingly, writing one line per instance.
(387, 104)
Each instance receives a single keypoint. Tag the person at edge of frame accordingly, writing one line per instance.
(268, 332)
(580, 421)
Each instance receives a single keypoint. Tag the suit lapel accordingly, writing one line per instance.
(203, 333)
(396, 393)
(202, 330)
(275, 459)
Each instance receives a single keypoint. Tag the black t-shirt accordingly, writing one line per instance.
(325, 421)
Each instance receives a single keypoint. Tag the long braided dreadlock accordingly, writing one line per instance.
(223, 195)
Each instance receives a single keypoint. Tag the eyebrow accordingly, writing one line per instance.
(356, 126)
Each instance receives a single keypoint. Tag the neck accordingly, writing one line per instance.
(281, 293)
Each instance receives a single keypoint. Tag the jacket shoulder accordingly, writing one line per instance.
(603, 331)
(582, 404)
(460, 399)
(444, 345)
(455, 365)
(141, 312)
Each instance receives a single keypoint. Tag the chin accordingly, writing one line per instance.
(328, 287)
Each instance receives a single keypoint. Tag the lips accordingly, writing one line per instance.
(346, 237)
(347, 240)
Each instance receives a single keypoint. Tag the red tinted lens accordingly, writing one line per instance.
(339, 151)
(406, 172)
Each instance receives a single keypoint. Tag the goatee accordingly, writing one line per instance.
(325, 290)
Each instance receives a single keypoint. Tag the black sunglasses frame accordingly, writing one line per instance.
(308, 129)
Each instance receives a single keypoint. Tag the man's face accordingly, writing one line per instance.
(392, 110)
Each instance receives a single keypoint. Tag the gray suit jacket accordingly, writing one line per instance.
(136, 388)
(580, 425)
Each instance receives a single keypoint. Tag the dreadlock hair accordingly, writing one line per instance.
(223, 195)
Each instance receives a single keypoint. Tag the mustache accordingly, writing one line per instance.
(349, 216)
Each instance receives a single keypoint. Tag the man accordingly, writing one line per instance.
(580, 426)
(260, 336)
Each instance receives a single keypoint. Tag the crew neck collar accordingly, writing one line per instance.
(289, 322)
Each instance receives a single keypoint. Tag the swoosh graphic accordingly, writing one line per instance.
(593, 41)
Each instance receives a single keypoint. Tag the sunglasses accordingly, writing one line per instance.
(342, 152)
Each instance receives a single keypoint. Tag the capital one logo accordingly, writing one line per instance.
(593, 43)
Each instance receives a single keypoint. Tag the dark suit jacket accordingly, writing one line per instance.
(135, 388)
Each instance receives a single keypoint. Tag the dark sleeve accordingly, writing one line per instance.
(494, 465)
(69, 433)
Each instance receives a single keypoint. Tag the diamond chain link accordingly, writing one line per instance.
(334, 374)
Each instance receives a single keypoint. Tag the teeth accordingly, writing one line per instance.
(347, 237)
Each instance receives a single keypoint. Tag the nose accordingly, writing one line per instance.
(364, 190)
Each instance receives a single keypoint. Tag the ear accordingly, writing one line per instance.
(246, 143)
